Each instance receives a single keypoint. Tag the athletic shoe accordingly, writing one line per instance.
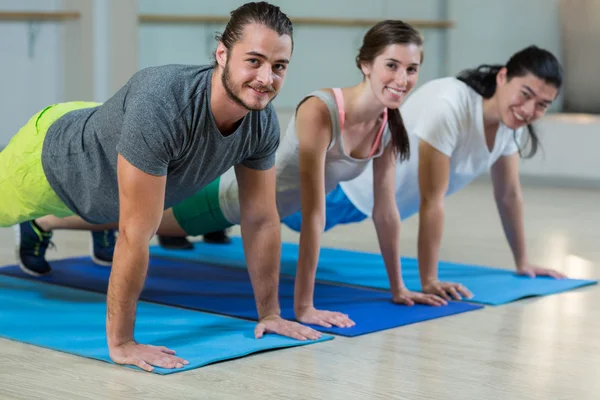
(31, 252)
(103, 247)
(174, 243)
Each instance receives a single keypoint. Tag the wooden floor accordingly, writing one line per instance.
(544, 348)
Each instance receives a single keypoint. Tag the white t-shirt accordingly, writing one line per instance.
(448, 115)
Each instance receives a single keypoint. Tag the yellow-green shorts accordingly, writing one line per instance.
(25, 193)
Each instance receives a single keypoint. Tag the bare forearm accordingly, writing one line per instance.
(511, 214)
(387, 226)
(308, 258)
(126, 282)
(262, 246)
(431, 226)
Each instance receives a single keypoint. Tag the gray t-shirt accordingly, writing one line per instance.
(161, 122)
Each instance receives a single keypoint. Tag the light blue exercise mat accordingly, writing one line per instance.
(492, 286)
(73, 321)
(228, 291)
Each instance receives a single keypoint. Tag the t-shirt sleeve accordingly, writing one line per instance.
(150, 136)
(512, 144)
(264, 157)
(439, 126)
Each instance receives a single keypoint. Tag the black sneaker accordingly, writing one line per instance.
(103, 247)
(218, 237)
(174, 243)
(31, 253)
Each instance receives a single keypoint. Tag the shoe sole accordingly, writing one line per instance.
(18, 256)
(226, 241)
(171, 247)
(25, 269)
(95, 259)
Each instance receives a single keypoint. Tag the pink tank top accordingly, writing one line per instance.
(339, 99)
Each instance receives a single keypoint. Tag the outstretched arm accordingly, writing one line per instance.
(387, 224)
(434, 171)
(261, 235)
(313, 128)
(509, 201)
(141, 200)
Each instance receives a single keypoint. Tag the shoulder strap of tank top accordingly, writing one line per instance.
(379, 134)
(339, 99)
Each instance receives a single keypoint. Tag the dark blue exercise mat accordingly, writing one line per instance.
(73, 321)
(492, 286)
(228, 291)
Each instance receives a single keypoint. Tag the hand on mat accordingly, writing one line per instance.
(146, 356)
(310, 315)
(276, 324)
(409, 298)
(447, 290)
(532, 271)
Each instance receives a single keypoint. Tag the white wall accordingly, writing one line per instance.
(30, 71)
(570, 151)
(580, 28)
(486, 31)
(489, 32)
(86, 59)
(323, 56)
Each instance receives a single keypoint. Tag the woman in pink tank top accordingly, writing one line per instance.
(389, 60)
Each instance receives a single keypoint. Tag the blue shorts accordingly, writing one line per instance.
(338, 208)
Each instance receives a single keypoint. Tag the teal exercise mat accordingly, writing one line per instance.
(491, 286)
(73, 321)
(228, 291)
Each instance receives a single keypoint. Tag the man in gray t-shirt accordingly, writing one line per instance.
(161, 123)
(163, 136)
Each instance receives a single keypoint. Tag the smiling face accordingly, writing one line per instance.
(393, 73)
(255, 67)
(523, 99)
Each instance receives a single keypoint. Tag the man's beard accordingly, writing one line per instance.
(228, 85)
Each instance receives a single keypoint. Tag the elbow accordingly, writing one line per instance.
(431, 204)
(261, 220)
(132, 234)
(385, 215)
(313, 221)
(510, 198)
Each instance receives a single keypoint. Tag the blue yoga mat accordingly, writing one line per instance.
(73, 321)
(228, 291)
(492, 286)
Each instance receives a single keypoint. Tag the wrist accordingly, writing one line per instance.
(521, 263)
(119, 331)
(116, 341)
(398, 290)
(399, 295)
(269, 313)
(303, 306)
(269, 317)
(428, 280)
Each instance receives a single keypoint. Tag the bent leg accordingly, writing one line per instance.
(26, 193)
(171, 235)
(197, 215)
(50, 223)
(169, 226)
